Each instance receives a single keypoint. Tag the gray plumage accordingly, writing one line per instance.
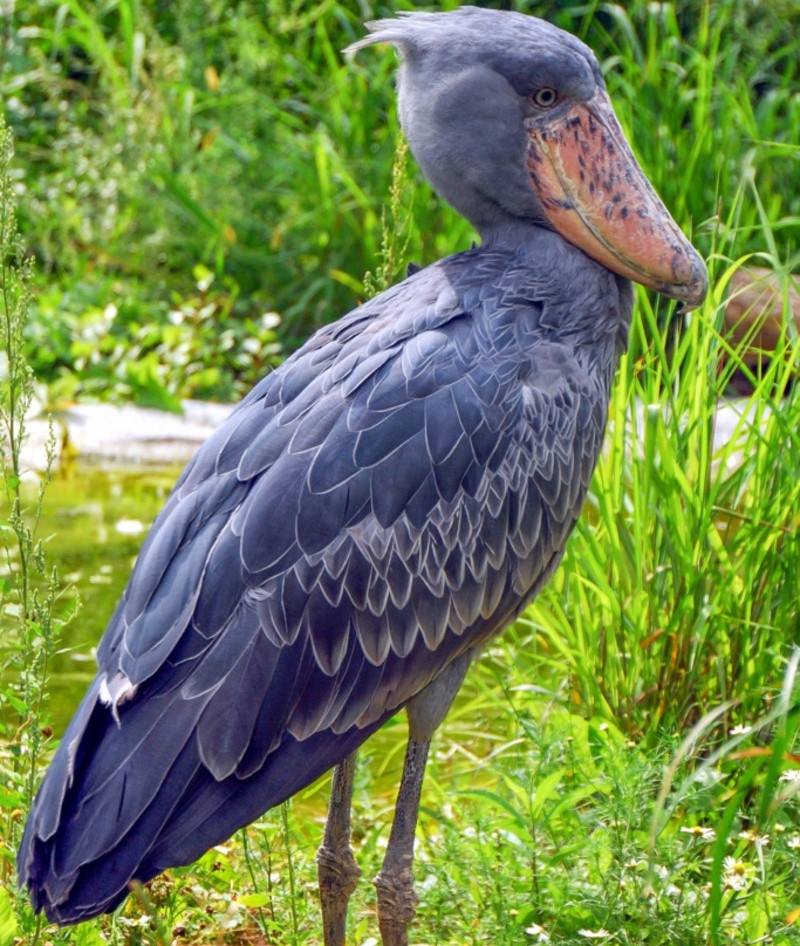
(387, 500)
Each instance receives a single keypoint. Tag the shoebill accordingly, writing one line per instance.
(384, 503)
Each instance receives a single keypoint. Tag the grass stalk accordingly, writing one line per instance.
(30, 590)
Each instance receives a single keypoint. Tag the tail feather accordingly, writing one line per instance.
(44, 819)
(218, 809)
(92, 831)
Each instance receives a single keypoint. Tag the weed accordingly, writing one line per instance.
(29, 586)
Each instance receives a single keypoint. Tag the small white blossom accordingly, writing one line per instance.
(542, 936)
(751, 835)
(737, 875)
(594, 934)
(698, 831)
(130, 526)
(140, 922)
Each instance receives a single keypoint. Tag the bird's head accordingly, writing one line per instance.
(509, 118)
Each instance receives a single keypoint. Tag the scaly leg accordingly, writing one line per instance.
(397, 900)
(337, 870)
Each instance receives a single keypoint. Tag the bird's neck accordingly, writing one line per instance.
(518, 235)
(585, 301)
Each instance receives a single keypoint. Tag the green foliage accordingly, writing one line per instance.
(154, 139)
(679, 589)
(8, 922)
(221, 142)
(559, 838)
(203, 345)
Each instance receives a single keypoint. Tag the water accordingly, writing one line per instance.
(95, 519)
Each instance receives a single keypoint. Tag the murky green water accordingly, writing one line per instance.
(95, 520)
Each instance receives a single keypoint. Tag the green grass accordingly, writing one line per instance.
(623, 760)
(681, 583)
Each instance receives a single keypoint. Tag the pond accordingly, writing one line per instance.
(95, 519)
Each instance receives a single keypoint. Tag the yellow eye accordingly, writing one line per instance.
(546, 97)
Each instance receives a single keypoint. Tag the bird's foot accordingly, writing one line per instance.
(397, 905)
(338, 875)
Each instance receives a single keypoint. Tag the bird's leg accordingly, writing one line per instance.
(397, 900)
(337, 870)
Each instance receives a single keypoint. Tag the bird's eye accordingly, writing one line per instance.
(546, 97)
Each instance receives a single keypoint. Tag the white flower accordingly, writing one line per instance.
(698, 831)
(542, 936)
(750, 834)
(130, 526)
(594, 934)
(141, 921)
(737, 875)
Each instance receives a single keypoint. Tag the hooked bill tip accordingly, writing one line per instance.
(691, 291)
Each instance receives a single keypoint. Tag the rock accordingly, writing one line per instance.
(754, 312)
(128, 434)
(132, 434)
(754, 322)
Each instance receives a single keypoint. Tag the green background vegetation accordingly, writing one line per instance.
(154, 138)
(204, 184)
